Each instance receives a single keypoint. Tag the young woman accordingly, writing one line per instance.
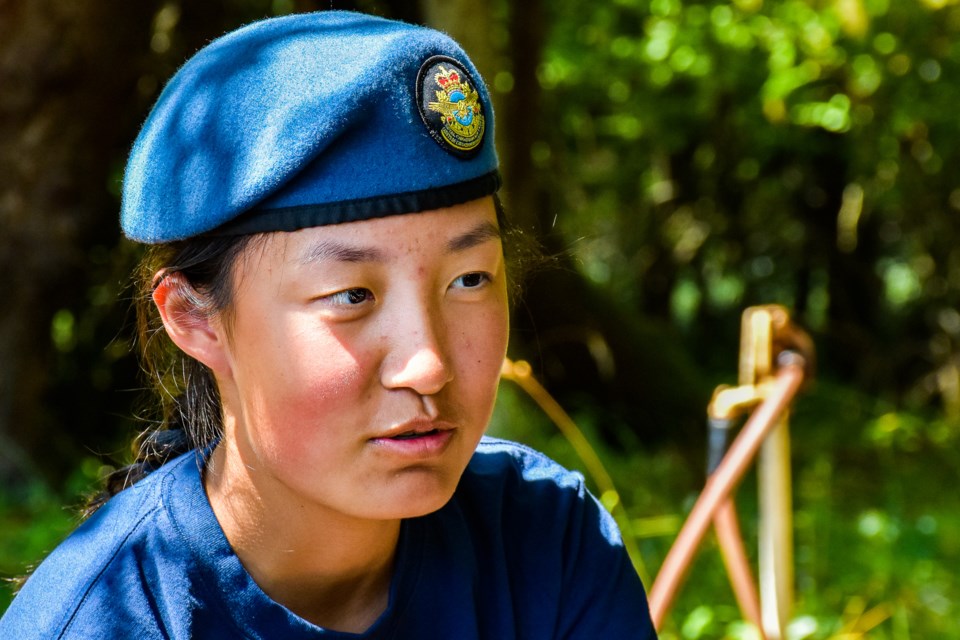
(326, 317)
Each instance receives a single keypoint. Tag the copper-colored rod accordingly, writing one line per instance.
(721, 483)
(738, 566)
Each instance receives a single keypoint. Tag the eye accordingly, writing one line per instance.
(471, 280)
(350, 297)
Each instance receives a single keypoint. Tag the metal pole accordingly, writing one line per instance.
(725, 522)
(726, 525)
(720, 485)
(759, 327)
(776, 531)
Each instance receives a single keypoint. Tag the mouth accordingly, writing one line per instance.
(417, 440)
(413, 429)
(411, 435)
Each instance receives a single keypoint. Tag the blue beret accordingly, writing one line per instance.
(306, 120)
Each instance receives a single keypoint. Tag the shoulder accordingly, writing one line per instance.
(513, 476)
(531, 498)
(515, 462)
(96, 573)
(560, 553)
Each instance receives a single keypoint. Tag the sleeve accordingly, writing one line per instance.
(601, 594)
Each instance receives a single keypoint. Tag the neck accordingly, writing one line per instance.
(328, 568)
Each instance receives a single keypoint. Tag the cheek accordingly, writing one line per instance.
(482, 347)
(300, 391)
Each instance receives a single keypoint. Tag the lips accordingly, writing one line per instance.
(419, 439)
(416, 428)
(410, 435)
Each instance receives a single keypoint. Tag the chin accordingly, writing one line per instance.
(419, 497)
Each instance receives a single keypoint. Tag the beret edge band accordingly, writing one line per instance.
(294, 218)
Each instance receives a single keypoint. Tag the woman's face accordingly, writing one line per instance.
(362, 359)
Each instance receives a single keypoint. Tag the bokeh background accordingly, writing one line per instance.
(679, 161)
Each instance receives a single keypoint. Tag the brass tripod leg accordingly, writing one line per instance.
(759, 328)
(776, 531)
(727, 526)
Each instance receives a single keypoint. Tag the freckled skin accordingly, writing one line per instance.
(338, 340)
(312, 379)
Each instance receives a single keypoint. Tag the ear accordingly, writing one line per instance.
(190, 326)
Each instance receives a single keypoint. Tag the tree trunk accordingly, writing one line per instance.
(69, 78)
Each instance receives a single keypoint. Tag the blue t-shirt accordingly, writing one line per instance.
(522, 550)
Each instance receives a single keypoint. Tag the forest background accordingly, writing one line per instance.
(681, 160)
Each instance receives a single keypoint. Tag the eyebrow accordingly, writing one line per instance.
(331, 250)
(478, 235)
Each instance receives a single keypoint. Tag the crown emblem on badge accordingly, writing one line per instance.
(451, 105)
(462, 121)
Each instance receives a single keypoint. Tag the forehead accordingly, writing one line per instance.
(449, 230)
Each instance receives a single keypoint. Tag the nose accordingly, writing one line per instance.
(417, 357)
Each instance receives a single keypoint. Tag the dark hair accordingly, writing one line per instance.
(190, 413)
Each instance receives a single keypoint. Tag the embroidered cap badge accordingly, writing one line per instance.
(450, 106)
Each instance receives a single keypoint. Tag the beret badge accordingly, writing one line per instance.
(450, 106)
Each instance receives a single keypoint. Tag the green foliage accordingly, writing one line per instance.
(697, 157)
(703, 156)
(34, 518)
(876, 524)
